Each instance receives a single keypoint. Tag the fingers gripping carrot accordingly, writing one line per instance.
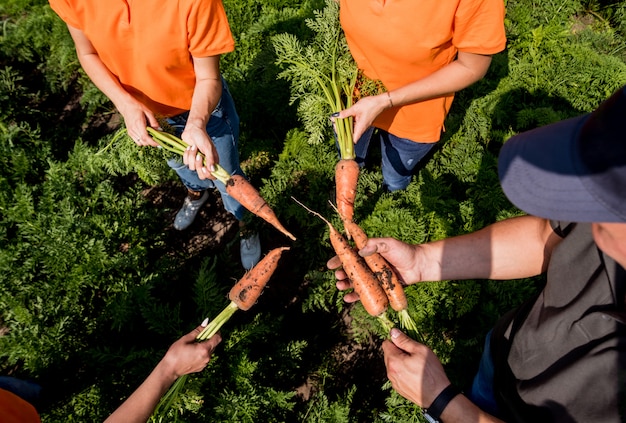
(381, 268)
(346, 179)
(246, 292)
(243, 295)
(364, 281)
(237, 186)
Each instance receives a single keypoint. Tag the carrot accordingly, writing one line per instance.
(237, 186)
(346, 179)
(381, 268)
(365, 283)
(246, 292)
(388, 279)
(241, 190)
(243, 295)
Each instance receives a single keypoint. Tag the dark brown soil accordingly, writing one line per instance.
(210, 231)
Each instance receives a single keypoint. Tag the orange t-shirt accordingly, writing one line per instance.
(148, 45)
(14, 409)
(401, 41)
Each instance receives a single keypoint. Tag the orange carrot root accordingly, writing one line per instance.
(241, 190)
(363, 279)
(246, 292)
(365, 283)
(346, 179)
(381, 268)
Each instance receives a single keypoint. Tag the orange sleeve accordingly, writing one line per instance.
(65, 10)
(479, 26)
(209, 31)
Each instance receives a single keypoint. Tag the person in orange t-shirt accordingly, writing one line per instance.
(160, 60)
(423, 52)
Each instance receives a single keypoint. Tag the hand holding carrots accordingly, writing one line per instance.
(201, 155)
(364, 112)
(187, 355)
(413, 369)
(135, 116)
(406, 259)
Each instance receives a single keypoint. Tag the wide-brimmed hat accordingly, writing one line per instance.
(573, 170)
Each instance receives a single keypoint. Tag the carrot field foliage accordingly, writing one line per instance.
(93, 290)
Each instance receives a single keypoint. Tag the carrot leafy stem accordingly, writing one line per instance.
(323, 76)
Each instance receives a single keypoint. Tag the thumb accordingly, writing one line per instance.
(371, 247)
(197, 330)
(152, 120)
(401, 340)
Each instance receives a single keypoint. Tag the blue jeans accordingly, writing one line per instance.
(399, 156)
(481, 392)
(223, 128)
(27, 390)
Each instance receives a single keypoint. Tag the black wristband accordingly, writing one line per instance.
(433, 412)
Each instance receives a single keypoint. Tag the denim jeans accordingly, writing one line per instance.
(27, 390)
(223, 128)
(481, 392)
(399, 156)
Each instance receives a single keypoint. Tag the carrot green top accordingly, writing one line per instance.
(149, 45)
(399, 41)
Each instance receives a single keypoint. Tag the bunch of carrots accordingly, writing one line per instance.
(243, 295)
(237, 186)
(372, 277)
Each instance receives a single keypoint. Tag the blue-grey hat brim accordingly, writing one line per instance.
(572, 170)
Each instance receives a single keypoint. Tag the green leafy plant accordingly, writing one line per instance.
(323, 76)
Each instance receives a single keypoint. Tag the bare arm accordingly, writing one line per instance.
(467, 69)
(206, 95)
(183, 357)
(135, 113)
(509, 249)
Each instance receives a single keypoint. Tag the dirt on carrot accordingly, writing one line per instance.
(364, 282)
(237, 186)
(247, 290)
(382, 269)
(363, 279)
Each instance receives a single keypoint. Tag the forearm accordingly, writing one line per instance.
(207, 91)
(462, 410)
(96, 70)
(104, 80)
(140, 405)
(206, 96)
(459, 74)
(509, 249)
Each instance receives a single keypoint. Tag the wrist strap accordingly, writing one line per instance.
(442, 401)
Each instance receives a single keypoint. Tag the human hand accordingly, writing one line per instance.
(189, 356)
(413, 369)
(403, 257)
(135, 116)
(364, 112)
(201, 146)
